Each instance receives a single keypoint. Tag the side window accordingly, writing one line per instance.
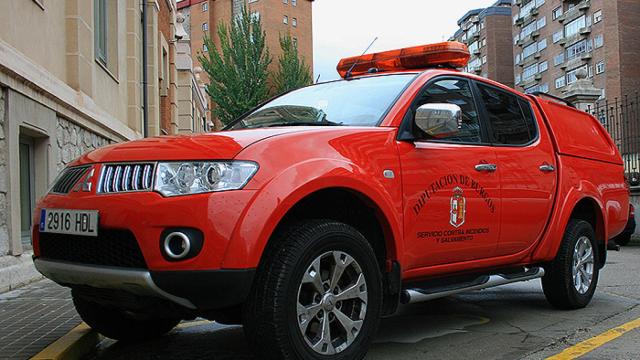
(510, 118)
(458, 92)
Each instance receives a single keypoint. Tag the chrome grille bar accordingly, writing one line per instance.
(68, 179)
(122, 178)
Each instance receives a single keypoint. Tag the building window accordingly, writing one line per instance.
(205, 6)
(529, 50)
(205, 48)
(557, 36)
(557, 12)
(560, 82)
(597, 16)
(294, 2)
(518, 78)
(543, 66)
(600, 67)
(542, 22)
(484, 59)
(295, 42)
(100, 14)
(484, 42)
(285, 20)
(558, 59)
(285, 1)
(205, 26)
(574, 27)
(542, 44)
(294, 22)
(529, 72)
(599, 41)
(579, 48)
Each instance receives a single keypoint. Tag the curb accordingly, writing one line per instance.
(77, 343)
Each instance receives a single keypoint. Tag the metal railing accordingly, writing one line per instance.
(621, 117)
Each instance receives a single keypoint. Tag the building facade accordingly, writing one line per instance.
(487, 33)
(69, 85)
(554, 39)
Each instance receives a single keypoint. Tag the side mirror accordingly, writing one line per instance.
(439, 120)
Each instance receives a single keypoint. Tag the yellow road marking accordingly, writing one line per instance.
(596, 341)
(74, 345)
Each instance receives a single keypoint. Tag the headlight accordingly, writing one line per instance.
(197, 177)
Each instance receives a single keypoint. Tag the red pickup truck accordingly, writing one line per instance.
(321, 211)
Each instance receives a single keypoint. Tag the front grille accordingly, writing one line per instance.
(69, 177)
(111, 248)
(126, 178)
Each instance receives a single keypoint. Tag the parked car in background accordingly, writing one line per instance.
(624, 238)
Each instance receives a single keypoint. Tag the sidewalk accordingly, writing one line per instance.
(33, 317)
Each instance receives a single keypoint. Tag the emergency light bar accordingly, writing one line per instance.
(449, 54)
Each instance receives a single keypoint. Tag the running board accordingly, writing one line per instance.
(414, 295)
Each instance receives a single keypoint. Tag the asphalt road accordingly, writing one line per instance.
(510, 322)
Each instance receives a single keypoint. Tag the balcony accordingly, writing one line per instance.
(538, 77)
(586, 57)
(575, 12)
(535, 34)
(477, 52)
(537, 55)
(585, 30)
(520, 21)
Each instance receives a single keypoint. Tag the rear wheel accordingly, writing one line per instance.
(571, 279)
(317, 295)
(119, 324)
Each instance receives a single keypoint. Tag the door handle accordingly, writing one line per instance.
(547, 168)
(486, 167)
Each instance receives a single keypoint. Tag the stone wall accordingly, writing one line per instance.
(74, 141)
(4, 231)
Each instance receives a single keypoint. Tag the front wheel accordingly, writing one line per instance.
(571, 279)
(317, 295)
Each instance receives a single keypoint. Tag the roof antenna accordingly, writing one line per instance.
(318, 79)
(348, 74)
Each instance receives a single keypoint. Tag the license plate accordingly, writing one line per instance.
(70, 222)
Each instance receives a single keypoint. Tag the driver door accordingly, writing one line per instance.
(451, 190)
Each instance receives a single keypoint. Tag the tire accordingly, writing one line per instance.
(623, 239)
(559, 285)
(120, 325)
(273, 321)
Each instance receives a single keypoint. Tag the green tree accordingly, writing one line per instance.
(293, 72)
(238, 68)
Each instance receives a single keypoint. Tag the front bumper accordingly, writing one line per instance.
(193, 290)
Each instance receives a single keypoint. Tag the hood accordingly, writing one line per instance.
(212, 146)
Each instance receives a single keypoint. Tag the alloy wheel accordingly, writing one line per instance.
(332, 302)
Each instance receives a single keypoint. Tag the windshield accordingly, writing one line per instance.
(357, 102)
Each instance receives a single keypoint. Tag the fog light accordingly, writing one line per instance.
(177, 245)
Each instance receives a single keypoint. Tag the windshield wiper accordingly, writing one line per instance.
(306, 123)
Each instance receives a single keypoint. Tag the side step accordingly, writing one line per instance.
(414, 295)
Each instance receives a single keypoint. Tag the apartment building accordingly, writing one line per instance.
(554, 39)
(71, 80)
(487, 33)
(279, 17)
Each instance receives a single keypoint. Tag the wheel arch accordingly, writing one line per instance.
(589, 210)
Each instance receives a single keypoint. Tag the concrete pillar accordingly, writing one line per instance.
(582, 93)
(79, 45)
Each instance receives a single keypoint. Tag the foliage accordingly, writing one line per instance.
(293, 72)
(237, 69)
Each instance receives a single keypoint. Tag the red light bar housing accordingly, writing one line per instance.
(450, 54)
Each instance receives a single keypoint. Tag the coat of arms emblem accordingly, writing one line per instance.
(458, 208)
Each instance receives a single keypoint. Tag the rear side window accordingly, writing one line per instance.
(510, 117)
